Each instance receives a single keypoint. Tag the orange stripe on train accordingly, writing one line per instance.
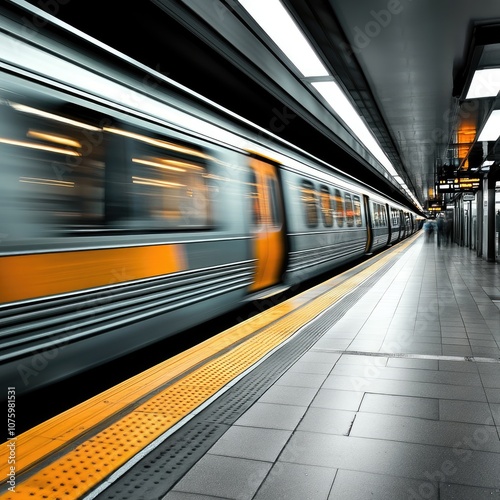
(39, 275)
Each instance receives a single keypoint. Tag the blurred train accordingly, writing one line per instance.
(133, 210)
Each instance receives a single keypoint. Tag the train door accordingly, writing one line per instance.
(369, 225)
(267, 224)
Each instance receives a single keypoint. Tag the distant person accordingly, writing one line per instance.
(428, 230)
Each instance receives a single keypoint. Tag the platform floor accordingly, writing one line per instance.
(400, 399)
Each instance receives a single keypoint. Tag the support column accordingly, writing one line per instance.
(480, 196)
(488, 218)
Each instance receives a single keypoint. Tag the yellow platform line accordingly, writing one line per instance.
(81, 469)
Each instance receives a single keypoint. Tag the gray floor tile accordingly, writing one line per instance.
(492, 368)
(272, 416)
(295, 396)
(424, 431)
(391, 373)
(453, 331)
(251, 442)
(294, 379)
(353, 359)
(450, 350)
(327, 421)
(461, 492)
(434, 338)
(495, 410)
(378, 456)
(296, 482)
(338, 399)
(304, 367)
(340, 334)
(420, 364)
(483, 343)
(490, 380)
(406, 388)
(365, 345)
(424, 348)
(452, 322)
(485, 335)
(333, 343)
(361, 485)
(455, 341)
(486, 352)
(320, 357)
(224, 477)
(458, 366)
(477, 329)
(401, 405)
(465, 411)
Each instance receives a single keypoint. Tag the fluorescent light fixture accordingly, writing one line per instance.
(487, 163)
(491, 129)
(275, 20)
(485, 83)
(336, 98)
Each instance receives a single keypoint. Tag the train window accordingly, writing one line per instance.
(383, 219)
(338, 210)
(326, 206)
(274, 202)
(53, 170)
(375, 214)
(380, 215)
(349, 210)
(255, 202)
(357, 211)
(309, 200)
(167, 183)
(395, 217)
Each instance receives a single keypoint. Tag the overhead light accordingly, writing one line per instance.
(480, 75)
(275, 20)
(485, 83)
(336, 98)
(487, 163)
(491, 129)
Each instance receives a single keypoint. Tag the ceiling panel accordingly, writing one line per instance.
(409, 53)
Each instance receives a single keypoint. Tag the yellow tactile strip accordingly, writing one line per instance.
(81, 469)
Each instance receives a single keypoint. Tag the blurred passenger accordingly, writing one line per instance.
(428, 230)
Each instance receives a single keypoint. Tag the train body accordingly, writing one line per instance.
(133, 210)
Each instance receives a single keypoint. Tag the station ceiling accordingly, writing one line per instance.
(405, 64)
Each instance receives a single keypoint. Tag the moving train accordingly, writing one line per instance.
(133, 209)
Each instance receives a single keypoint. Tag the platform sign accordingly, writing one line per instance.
(459, 184)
